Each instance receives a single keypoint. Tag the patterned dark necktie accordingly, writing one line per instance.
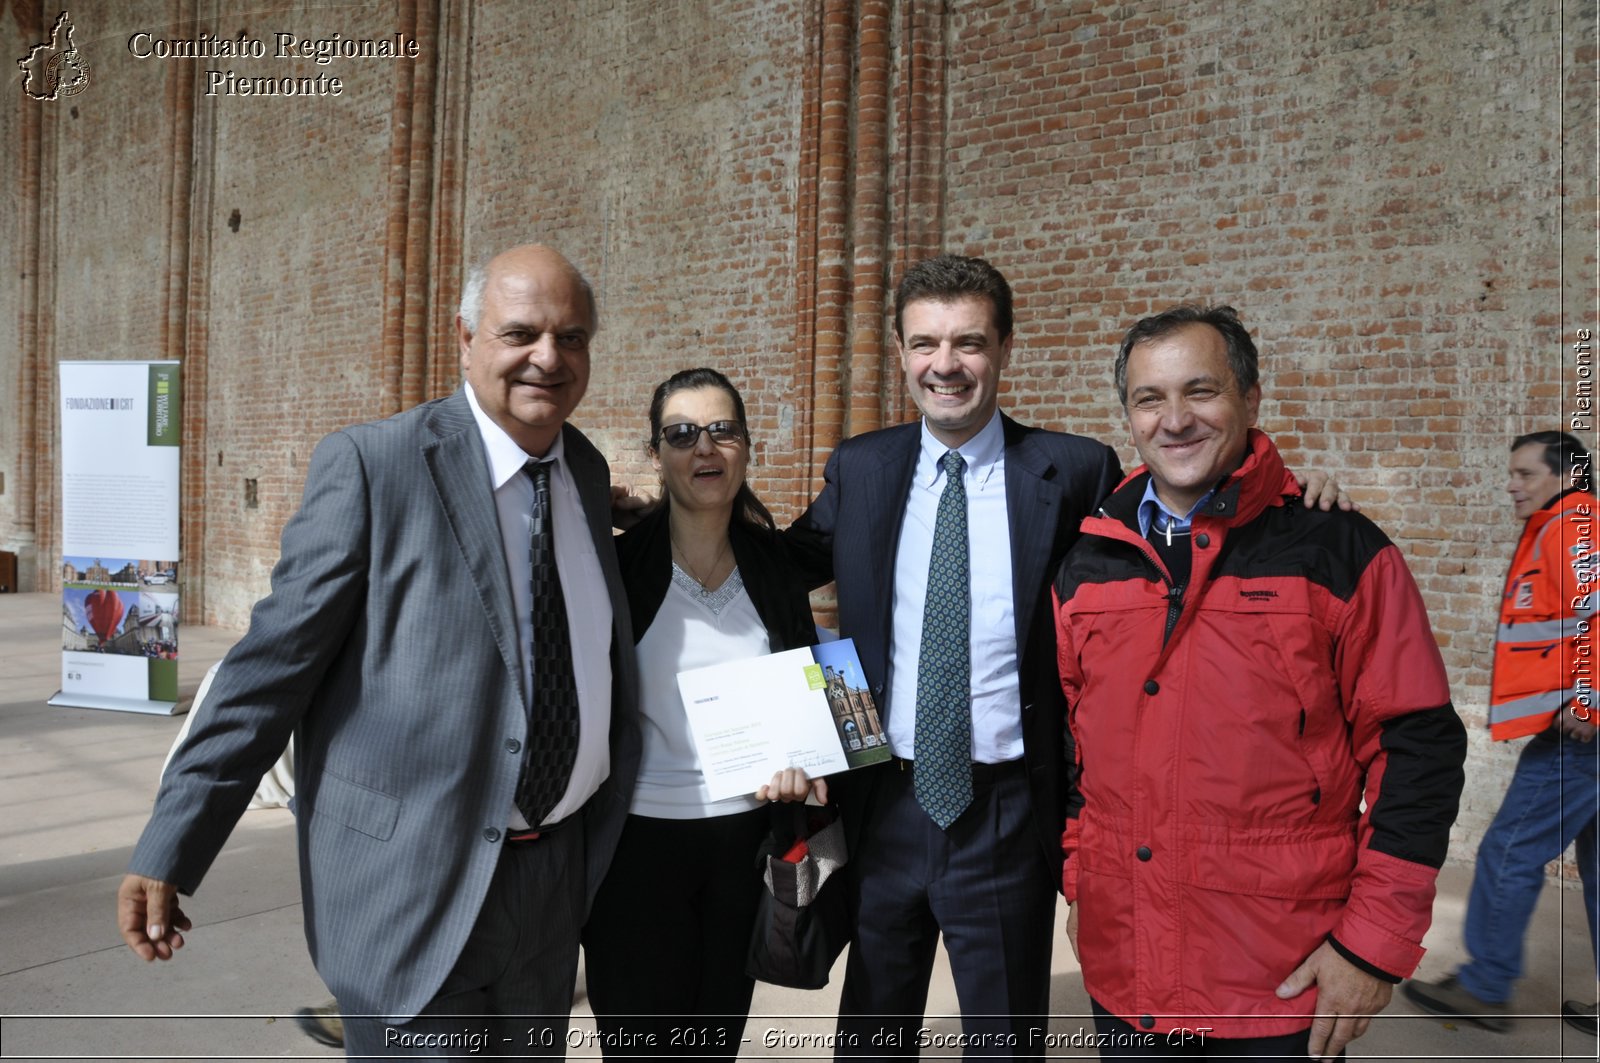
(943, 777)
(552, 745)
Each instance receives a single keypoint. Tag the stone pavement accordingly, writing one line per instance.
(76, 786)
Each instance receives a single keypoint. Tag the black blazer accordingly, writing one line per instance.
(850, 535)
(770, 576)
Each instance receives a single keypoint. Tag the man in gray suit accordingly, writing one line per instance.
(457, 804)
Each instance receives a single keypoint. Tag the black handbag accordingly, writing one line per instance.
(803, 922)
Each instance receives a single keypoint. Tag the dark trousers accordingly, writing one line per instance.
(664, 949)
(1123, 1040)
(510, 991)
(984, 885)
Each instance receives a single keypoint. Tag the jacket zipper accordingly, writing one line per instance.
(1174, 609)
(1174, 592)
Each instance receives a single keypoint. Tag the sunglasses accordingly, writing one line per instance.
(684, 436)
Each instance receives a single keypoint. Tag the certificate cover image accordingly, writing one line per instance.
(806, 708)
(854, 712)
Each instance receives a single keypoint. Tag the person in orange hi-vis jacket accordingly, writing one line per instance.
(1543, 686)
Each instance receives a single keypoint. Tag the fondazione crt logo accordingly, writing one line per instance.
(55, 69)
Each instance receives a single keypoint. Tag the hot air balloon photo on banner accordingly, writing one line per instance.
(105, 611)
(119, 531)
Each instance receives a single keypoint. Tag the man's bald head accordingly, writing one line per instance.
(519, 259)
(524, 329)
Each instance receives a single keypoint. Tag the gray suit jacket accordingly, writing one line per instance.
(389, 649)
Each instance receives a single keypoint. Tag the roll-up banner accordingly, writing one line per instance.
(119, 536)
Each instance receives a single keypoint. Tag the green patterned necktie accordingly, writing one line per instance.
(943, 775)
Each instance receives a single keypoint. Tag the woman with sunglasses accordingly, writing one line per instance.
(708, 581)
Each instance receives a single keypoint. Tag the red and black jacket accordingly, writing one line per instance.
(1226, 735)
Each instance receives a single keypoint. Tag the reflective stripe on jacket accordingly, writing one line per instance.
(1540, 663)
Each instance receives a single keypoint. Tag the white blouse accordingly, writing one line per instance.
(692, 629)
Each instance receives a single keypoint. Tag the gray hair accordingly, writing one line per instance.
(472, 295)
(471, 308)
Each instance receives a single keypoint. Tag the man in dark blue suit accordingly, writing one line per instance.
(965, 844)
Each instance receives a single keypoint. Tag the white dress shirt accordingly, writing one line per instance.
(583, 585)
(996, 697)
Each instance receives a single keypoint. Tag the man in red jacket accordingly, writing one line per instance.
(1543, 685)
(1242, 674)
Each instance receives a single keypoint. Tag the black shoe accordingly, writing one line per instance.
(322, 1024)
(1448, 998)
(1579, 1016)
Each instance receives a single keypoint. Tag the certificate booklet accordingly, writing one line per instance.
(806, 708)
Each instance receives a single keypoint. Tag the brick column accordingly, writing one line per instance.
(183, 324)
(33, 368)
(870, 209)
(917, 163)
(452, 40)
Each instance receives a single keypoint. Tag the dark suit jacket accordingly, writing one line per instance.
(389, 647)
(768, 572)
(852, 530)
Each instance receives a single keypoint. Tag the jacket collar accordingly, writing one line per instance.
(1262, 481)
(460, 474)
(1571, 498)
(1565, 502)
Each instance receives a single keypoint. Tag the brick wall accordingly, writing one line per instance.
(296, 216)
(666, 171)
(1398, 197)
(16, 213)
(1375, 186)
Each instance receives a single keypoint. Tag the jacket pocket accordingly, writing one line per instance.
(361, 808)
(1290, 865)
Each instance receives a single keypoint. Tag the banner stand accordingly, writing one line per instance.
(91, 701)
(120, 426)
